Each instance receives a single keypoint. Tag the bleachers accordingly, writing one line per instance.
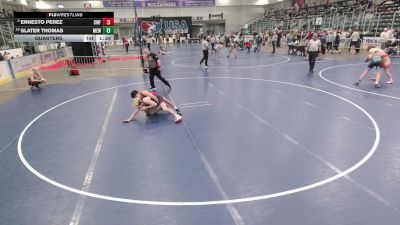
(389, 15)
(341, 14)
(7, 31)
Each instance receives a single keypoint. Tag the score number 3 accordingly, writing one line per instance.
(108, 21)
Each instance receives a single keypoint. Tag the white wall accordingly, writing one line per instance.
(234, 15)
(246, 2)
(239, 15)
(236, 12)
(16, 5)
(97, 4)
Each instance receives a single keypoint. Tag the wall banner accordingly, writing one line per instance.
(165, 25)
(159, 4)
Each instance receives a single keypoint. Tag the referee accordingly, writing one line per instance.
(314, 48)
(154, 68)
(205, 46)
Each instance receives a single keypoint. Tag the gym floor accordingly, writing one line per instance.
(263, 142)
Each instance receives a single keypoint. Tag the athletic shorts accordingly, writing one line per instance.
(159, 97)
(33, 83)
(152, 111)
(377, 65)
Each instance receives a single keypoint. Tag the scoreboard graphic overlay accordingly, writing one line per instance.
(64, 26)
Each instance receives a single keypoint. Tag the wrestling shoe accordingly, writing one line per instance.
(178, 119)
(389, 82)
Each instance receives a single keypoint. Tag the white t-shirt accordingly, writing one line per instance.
(274, 37)
(330, 37)
(355, 36)
(390, 35)
(384, 36)
(212, 39)
(313, 46)
(204, 45)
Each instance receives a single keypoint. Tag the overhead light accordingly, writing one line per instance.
(42, 5)
(23, 2)
(262, 2)
(60, 5)
(224, 2)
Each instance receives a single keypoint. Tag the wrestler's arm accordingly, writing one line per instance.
(41, 77)
(368, 58)
(32, 77)
(132, 115)
(149, 102)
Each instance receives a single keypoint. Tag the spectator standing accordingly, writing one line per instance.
(329, 40)
(103, 46)
(294, 36)
(397, 35)
(288, 38)
(336, 43)
(278, 39)
(227, 41)
(258, 44)
(384, 38)
(148, 41)
(248, 46)
(390, 35)
(125, 42)
(221, 39)
(355, 38)
(273, 41)
(322, 38)
(212, 41)
(174, 38)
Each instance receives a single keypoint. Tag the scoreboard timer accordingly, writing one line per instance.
(64, 26)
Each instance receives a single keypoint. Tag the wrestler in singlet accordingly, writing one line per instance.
(385, 57)
(150, 111)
